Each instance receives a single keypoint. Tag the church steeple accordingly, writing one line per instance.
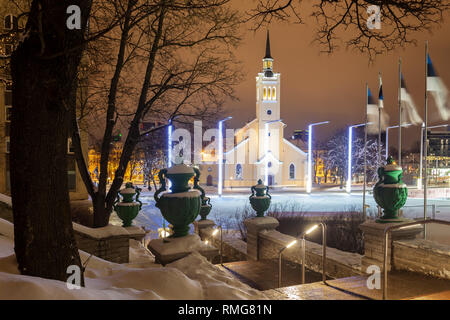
(268, 60)
(268, 56)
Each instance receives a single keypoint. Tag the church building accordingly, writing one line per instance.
(260, 150)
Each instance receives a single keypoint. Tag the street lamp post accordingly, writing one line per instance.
(220, 157)
(349, 161)
(309, 179)
(387, 138)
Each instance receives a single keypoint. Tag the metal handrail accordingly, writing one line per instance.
(324, 254)
(387, 231)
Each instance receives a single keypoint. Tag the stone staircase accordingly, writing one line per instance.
(403, 285)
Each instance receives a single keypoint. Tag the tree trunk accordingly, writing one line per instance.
(44, 75)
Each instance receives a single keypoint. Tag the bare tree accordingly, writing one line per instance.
(189, 71)
(44, 68)
(347, 20)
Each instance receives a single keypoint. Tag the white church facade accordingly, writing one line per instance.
(260, 150)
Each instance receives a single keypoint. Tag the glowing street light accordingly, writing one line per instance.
(387, 135)
(419, 181)
(266, 150)
(348, 186)
(309, 181)
(279, 260)
(220, 157)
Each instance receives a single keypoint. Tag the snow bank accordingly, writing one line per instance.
(188, 243)
(190, 278)
(217, 284)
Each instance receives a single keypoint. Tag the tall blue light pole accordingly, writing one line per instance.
(309, 180)
(220, 157)
(348, 187)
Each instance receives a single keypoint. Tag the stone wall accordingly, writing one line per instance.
(111, 243)
(339, 263)
(234, 249)
(422, 256)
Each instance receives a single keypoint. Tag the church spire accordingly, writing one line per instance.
(268, 60)
(268, 56)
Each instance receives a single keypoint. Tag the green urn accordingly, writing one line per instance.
(260, 198)
(128, 208)
(390, 192)
(206, 201)
(182, 205)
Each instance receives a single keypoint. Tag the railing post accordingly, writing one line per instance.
(324, 252)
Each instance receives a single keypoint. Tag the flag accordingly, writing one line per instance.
(438, 90)
(380, 95)
(409, 110)
(372, 115)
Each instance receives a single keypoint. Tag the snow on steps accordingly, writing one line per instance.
(190, 278)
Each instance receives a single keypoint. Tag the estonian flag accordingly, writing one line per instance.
(438, 90)
(380, 96)
(372, 115)
(409, 110)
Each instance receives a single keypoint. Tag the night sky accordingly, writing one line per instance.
(318, 87)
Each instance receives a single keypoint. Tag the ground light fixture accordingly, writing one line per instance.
(290, 244)
(310, 131)
(324, 248)
(215, 232)
(220, 157)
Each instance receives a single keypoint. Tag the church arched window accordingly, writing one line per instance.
(292, 171)
(238, 172)
(274, 93)
(265, 93)
(269, 95)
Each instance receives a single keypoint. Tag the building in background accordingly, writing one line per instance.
(439, 158)
(260, 149)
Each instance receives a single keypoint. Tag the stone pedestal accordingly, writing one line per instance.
(254, 227)
(168, 250)
(201, 225)
(373, 242)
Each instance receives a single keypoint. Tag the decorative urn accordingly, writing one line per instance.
(182, 205)
(128, 208)
(260, 198)
(206, 201)
(390, 192)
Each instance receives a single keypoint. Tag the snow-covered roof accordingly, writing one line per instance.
(293, 146)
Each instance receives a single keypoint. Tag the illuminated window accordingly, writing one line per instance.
(269, 96)
(10, 22)
(274, 93)
(238, 171)
(265, 93)
(292, 171)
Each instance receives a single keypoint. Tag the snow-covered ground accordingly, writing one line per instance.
(225, 207)
(190, 278)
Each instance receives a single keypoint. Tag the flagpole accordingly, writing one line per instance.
(365, 156)
(379, 134)
(426, 136)
(400, 112)
(379, 125)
